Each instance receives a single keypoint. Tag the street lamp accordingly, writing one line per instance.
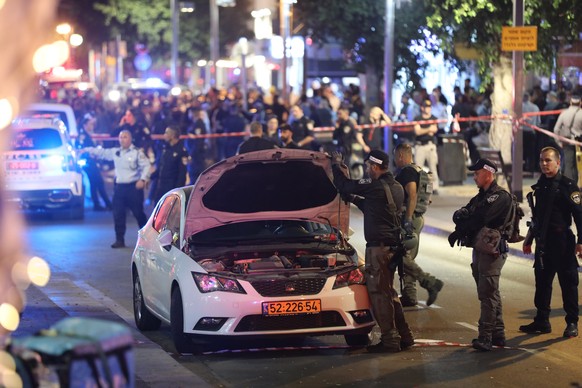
(244, 48)
(183, 7)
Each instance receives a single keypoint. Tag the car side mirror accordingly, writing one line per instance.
(166, 239)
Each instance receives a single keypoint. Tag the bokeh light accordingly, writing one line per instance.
(76, 40)
(9, 317)
(6, 113)
(38, 271)
(50, 55)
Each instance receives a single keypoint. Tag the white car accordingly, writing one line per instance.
(41, 169)
(50, 110)
(255, 248)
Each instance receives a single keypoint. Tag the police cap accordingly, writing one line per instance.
(485, 164)
(378, 157)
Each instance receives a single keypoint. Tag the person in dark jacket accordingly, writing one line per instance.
(380, 199)
(171, 165)
(557, 202)
(256, 142)
(487, 210)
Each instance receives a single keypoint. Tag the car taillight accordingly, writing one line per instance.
(349, 278)
(211, 283)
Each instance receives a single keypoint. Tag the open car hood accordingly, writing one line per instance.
(277, 184)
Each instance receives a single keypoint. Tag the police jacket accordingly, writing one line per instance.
(131, 164)
(488, 208)
(566, 204)
(380, 224)
(171, 165)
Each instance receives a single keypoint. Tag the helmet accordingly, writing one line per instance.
(410, 241)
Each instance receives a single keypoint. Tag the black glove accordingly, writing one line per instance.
(337, 158)
(453, 238)
(407, 226)
(461, 215)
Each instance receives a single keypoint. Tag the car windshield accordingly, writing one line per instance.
(275, 231)
(37, 139)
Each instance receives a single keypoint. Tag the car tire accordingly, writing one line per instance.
(182, 342)
(358, 340)
(144, 319)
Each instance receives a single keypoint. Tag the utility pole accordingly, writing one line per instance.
(388, 69)
(213, 41)
(174, 60)
(517, 165)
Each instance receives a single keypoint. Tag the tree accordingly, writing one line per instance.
(149, 23)
(359, 26)
(477, 23)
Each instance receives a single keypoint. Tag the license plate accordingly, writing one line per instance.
(22, 165)
(292, 307)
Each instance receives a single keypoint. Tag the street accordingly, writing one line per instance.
(91, 279)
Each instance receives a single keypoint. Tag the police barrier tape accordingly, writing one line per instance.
(404, 126)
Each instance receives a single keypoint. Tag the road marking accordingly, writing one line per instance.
(468, 326)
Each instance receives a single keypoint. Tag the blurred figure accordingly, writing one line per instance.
(569, 125)
(426, 146)
(197, 147)
(171, 165)
(256, 142)
(286, 135)
(349, 139)
(374, 137)
(90, 167)
(233, 123)
(302, 128)
(272, 129)
(529, 134)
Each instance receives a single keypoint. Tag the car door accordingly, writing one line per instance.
(163, 258)
(154, 253)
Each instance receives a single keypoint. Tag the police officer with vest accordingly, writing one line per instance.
(557, 201)
(488, 209)
(380, 199)
(171, 165)
(412, 221)
(132, 171)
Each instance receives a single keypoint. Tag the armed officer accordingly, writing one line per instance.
(380, 198)
(488, 209)
(132, 171)
(413, 222)
(557, 201)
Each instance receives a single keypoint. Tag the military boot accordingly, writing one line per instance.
(433, 286)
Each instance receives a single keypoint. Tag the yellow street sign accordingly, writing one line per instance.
(519, 38)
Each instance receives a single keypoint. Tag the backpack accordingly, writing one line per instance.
(424, 189)
(510, 230)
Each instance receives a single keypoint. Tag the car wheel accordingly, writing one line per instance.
(357, 339)
(144, 319)
(182, 342)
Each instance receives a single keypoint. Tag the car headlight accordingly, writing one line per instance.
(348, 278)
(210, 283)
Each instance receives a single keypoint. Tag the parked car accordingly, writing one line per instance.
(257, 247)
(42, 173)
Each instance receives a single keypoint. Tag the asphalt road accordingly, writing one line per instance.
(91, 279)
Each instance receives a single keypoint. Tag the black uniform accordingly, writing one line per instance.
(255, 143)
(302, 128)
(383, 236)
(559, 255)
(170, 169)
(488, 208)
(345, 135)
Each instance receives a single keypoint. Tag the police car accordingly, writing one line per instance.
(41, 170)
